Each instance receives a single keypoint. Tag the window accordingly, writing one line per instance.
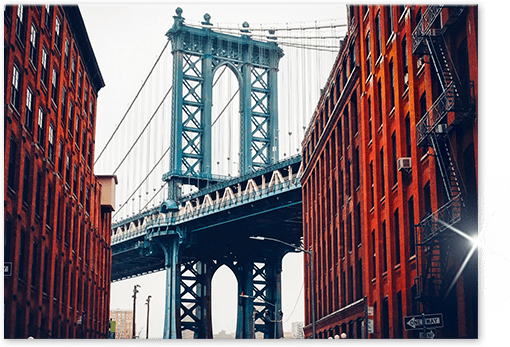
(46, 275)
(91, 111)
(378, 51)
(423, 104)
(66, 55)
(83, 141)
(400, 318)
(349, 232)
(60, 159)
(374, 262)
(47, 17)
(55, 280)
(412, 238)
(404, 62)
(51, 146)
(54, 84)
(29, 111)
(385, 247)
(372, 184)
(87, 200)
(34, 264)
(44, 67)
(58, 40)
(77, 132)
(80, 83)
(38, 202)
(89, 155)
(426, 197)
(407, 122)
(417, 18)
(379, 95)
(381, 158)
(33, 46)
(346, 126)
(21, 252)
(70, 120)
(392, 84)
(40, 128)
(15, 92)
(352, 56)
(348, 174)
(358, 225)
(68, 169)
(357, 179)
(7, 240)
(369, 102)
(394, 157)
(396, 224)
(49, 214)
(389, 21)
(11, 175)
(85, 101)
(75, 180)
(368, 59)
(26, 179)
(20, 25)
(73, 71)
(341, 188)
(63, 107)
(354, 112)
(81, 191)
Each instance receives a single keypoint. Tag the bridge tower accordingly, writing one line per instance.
(197, 54)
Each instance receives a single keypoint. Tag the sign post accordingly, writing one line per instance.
(7, 268)
(427, 323)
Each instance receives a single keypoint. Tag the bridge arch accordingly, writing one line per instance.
(224, 299)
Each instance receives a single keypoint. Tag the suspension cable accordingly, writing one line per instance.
(143, 130)
(146, 177)
(129, 108)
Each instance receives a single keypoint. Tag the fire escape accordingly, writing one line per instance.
(453, 106)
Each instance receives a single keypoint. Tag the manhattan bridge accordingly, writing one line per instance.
(207, 155)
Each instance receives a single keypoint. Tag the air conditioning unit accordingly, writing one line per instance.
(441, 128)
(404, 164)
(406, 79)
(420, 62)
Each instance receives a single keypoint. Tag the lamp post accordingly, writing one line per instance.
(148, 303)
(298, 249)
(270, 303)
(135, 290)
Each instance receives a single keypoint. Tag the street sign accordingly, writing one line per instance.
(431, 333)
(7, 269)
(370, 326)
(434, 320)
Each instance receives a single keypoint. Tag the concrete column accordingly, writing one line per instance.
(170, 246)
(245, 323)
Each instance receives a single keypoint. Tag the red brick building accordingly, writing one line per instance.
(390, 152)
(57, 213)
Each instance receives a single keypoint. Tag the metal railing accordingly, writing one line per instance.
(449, 214)
(424, 25)
(436, 113)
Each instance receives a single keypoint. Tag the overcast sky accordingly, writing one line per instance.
(126, 40)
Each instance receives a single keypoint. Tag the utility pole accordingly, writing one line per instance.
(147, 303)
(135, 290)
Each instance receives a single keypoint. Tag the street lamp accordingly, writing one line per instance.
(147, 303)
(270, 303)
(135, 290)
(298, 249)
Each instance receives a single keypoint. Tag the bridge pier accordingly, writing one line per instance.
(170, 246)
(245, 312)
